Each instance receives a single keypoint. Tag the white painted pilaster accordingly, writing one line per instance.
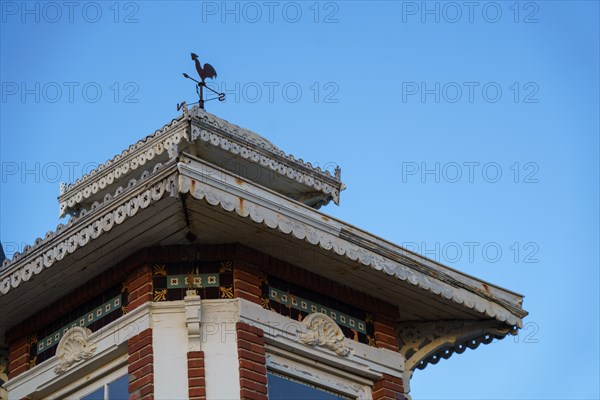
(169, 343)
(219, 343)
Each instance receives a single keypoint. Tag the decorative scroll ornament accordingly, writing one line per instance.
(323, 331)
(73, 348)
(424, 343)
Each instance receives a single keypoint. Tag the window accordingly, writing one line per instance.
(282, 387)
(115, 390)
(295, 377)
(105, 382)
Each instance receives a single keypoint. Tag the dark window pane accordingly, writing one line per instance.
(285, 389)
(119, 389)
(97, 395)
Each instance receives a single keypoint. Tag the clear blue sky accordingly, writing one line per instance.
(423, 105)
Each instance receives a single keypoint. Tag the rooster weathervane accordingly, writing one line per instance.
(206, 71)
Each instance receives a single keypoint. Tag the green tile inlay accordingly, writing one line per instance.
(199, 281)
(310, 307)
(85, 320)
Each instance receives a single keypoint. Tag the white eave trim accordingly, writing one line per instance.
(284, 165)
(289, 217)
(131, 159)
(92, 223)
(155, 143)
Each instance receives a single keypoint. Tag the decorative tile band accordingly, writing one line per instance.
(83, 321)
(310, 307)
(198, 281)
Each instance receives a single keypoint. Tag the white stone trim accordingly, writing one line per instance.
(219, 344)
(193, 318)
(218, 318)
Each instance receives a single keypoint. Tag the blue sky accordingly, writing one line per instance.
(468, 132)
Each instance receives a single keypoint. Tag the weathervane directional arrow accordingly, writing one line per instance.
(206, 71)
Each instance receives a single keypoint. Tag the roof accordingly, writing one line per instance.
(180, 179)
(224, 144)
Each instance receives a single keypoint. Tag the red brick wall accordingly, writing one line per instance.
(141, 366)
(18, 357)
(139, 285)
(388, 388)
(196, 382)
(386, 335)
(253, 370)
(246, 282)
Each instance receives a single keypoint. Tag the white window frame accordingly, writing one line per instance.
(93, 381)
(304, 369)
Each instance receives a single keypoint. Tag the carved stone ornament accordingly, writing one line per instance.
(73, 348)
(323, 331)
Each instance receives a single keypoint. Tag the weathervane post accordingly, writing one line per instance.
(206, 71)
(201, 101)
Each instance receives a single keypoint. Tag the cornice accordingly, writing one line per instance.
(405, 257)
(289, 217)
